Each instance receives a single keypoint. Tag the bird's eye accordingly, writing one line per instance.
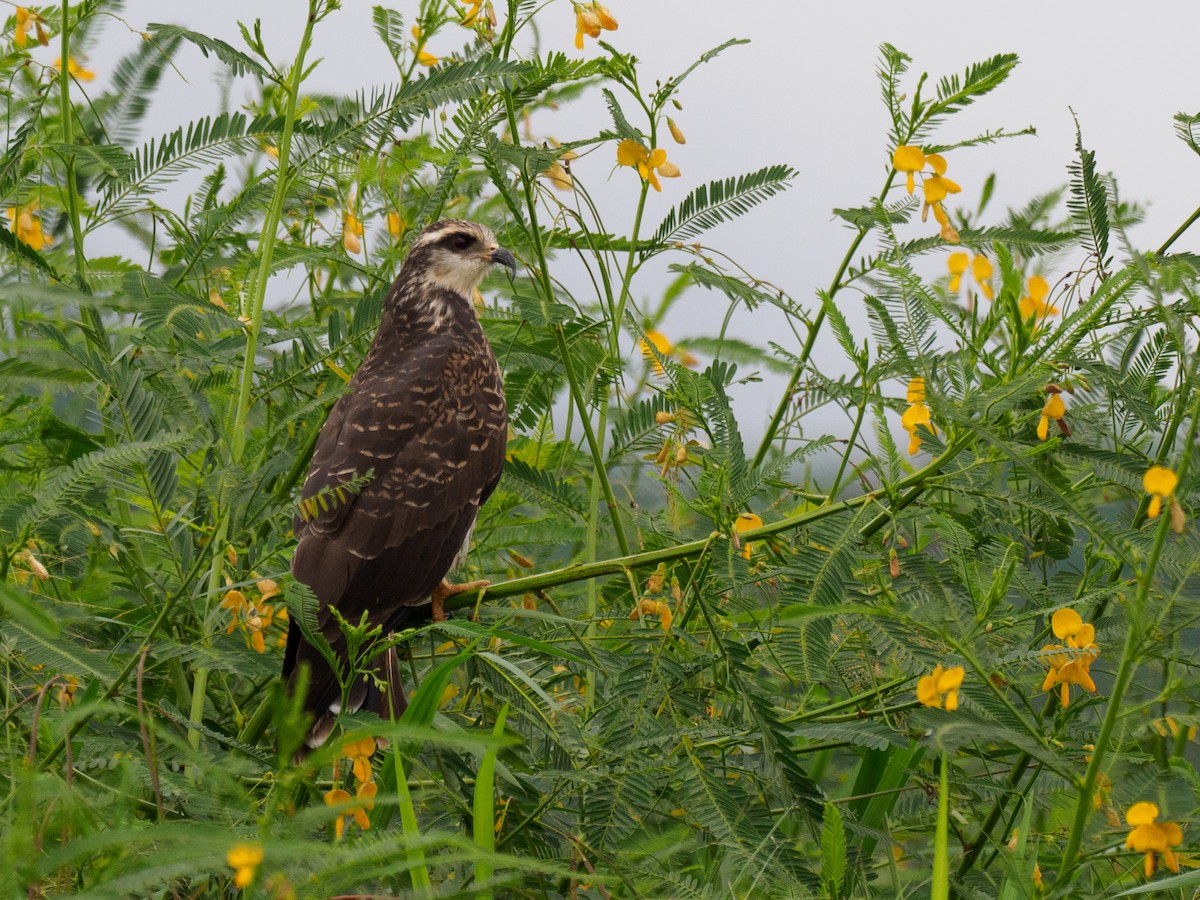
(460, 242)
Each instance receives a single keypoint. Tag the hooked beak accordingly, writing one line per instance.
(504, 258)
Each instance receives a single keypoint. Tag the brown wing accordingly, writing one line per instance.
(431, 426)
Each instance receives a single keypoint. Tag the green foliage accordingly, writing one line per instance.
(708, 661)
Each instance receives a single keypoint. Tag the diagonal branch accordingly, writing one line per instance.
(905, 491)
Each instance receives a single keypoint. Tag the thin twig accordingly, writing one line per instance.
(146, 745)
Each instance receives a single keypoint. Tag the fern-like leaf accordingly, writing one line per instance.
(720, 201)
(1088, 202)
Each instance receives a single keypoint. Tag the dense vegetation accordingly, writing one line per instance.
(819, 664)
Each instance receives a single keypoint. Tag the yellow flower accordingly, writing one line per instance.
(244, 859)
(559, 177)
(909, 160)
(1160, 483)
(1074, 667)
(676, 133)
(590, 19)
(916, 415)
(1034, 304)
(471, 13)
(352, 230)
(22, 26)
(1054, 409)
(254, 619)
(21, 32)
(360, 753)
(28, 229)
(607, 22)
(939, 689)
(395, 225)
(1153, 838)
(912, 160)
(339, 798)
(937, 189)
(236, 603)
(981, 272)
(255, 626)
(647, 162)
(75, 70)
(651, 607)
(747, 521)
(66, 691)
(660, 342)
(424, 57)
(916, 390)
(957, 264)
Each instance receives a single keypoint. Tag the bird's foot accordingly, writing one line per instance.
(446, 589)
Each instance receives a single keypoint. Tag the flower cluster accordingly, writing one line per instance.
(939, 689)
(1151, 837)
(591, 19)
(20, 33)
(981, 272)
(359, 753)
(674, 451)
(244, 859)
(917, 415)
(1056, 409)
(649, 163)
(936, 187)
(1070, 664)
(255, 618)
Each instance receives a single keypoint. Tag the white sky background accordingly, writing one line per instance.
(805, 93)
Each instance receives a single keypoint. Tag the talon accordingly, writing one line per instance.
(446, 589)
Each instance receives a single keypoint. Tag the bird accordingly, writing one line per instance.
(407, 456)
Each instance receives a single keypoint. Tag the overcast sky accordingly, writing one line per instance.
(804, 92)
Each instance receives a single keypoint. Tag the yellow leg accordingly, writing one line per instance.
(446, 589)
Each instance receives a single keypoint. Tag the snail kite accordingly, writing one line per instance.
(406, 458)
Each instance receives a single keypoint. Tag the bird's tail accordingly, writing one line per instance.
(383, 695)
(389, 701)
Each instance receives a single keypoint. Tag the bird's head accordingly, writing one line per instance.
(455, 254)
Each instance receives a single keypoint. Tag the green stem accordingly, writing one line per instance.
(267, 238)
(266, 252)
(1191, 220)
(941, 838)
(875, 693)
(67, 113)
(836, 486)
